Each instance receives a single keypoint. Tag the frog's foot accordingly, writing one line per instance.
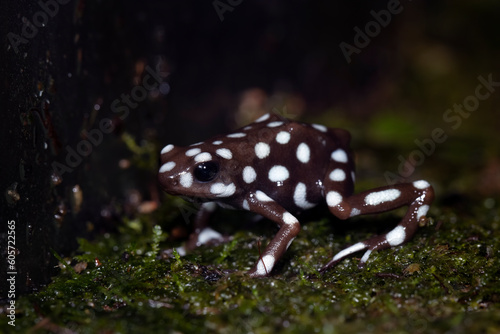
(206, 236)
(344, 253)
(417, 195)
(395, 237)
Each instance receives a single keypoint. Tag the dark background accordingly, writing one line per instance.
(262, 56)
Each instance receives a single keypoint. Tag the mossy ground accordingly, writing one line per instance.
(445, 279)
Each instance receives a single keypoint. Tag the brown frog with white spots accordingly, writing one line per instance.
(276, 167)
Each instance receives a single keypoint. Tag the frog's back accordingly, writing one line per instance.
(284, 153)
(274, 129)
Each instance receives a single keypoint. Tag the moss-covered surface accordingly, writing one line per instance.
(446, 278)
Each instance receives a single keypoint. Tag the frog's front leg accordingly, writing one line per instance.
(417, 195)
(262, 204)
(201, 233)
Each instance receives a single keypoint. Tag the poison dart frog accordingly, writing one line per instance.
(277, 168)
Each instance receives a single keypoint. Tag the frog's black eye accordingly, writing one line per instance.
(206, 171)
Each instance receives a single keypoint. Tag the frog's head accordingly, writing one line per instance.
(197, 171)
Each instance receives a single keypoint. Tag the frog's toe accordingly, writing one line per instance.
(344, 253)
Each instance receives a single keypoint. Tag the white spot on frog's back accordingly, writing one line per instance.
(379, 197)
(167, 149)
(222, 190)
(278, 173)
(236, 135)
(303, 153)
(300, 197)
(283, 137)
(193, 151)
(339, 155)
(249, 174)
(263, 118)
(319, 127)
(217, 142)
(262, 150)
(274, 124)
(396, 236)
(337, 175)
(224, 153)
(167, 167)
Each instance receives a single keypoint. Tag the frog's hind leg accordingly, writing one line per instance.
(417, 195)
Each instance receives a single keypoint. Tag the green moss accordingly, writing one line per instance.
(446, 278)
